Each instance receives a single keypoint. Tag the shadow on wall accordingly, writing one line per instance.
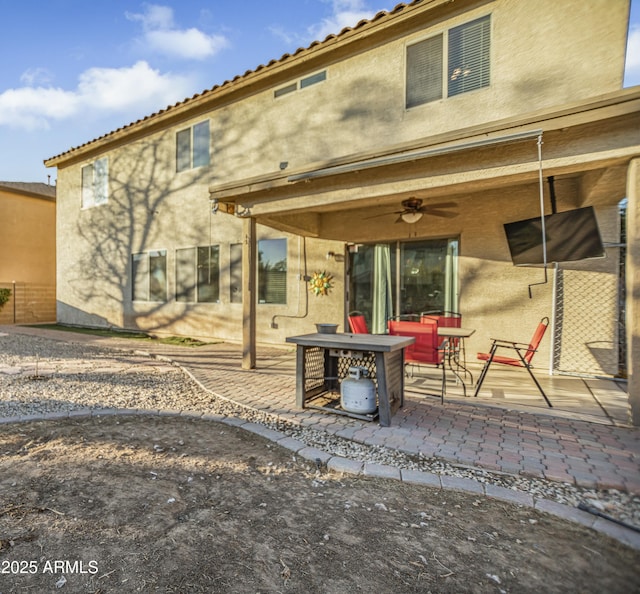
(143, 212)
(79, 317)
(152, 207)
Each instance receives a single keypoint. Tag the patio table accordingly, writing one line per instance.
(457, 335)
(323, 361)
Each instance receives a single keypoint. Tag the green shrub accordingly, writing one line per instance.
(4, 296)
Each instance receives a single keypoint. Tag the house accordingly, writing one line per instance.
(28, 262)
(388, 160)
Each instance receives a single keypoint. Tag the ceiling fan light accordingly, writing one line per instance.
(411, 217)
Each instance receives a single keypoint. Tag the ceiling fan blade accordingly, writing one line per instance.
(438, 205)
(447, 214)
(383, 214)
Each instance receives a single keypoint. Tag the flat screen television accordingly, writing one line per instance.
(571, 235)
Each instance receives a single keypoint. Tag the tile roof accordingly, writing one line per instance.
(312, 47)
(35, 189)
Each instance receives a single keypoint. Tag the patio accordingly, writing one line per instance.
(596, 400)
(590, 399)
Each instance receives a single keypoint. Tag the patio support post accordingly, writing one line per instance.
(249, 292)
(633, 288)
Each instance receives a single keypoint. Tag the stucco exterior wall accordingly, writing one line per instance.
(150, 207)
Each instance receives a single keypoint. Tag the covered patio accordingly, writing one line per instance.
(503, 172)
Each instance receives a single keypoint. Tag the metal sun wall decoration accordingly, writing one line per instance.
(321, 283)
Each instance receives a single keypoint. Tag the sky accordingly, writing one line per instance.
(74, 70)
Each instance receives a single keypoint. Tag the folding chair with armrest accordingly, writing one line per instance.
(525, 355)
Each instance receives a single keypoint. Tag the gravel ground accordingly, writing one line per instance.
(40, 376)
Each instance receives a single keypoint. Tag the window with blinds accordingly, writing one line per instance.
(468, 63)
(424, 71)
(469, 56)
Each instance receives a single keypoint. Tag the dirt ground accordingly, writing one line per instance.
(131, 504)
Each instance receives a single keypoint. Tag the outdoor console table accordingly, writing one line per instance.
(323, 360)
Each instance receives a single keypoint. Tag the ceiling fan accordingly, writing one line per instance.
(412, 210)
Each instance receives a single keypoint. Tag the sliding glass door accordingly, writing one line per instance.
(401, 278)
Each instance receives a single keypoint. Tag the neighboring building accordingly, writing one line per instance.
(28, 260)
(480, 109)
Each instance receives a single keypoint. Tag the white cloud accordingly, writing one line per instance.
(155, 17)
(33, 108)
(162, 36)
(345, 13)
(188, 44)
(117, 89)
(100, 91)
(34, 76)
(632, 65)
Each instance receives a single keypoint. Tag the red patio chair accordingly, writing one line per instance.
(426, 349)
(357, 323)
(447, 319)
(525, 355)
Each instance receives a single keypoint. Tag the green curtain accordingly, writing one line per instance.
(382, 289)
(451, 277)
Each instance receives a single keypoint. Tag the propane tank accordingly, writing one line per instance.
(358, 392)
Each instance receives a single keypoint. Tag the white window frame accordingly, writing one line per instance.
(196, 291)
(145, 261)
(301, 84)
(95, 183)
(447, 89)
(192, 148)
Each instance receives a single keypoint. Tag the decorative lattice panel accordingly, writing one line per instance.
(313, 368)
(586, 322)
(368, 361)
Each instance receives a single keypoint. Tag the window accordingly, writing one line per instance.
(95, 183)
(313, 79)
(468, 63)
(304, 83)
(469, 59)
(272, 271)
(402, 278)
(192, 147)
(149, 271)
(285, 90)
(424, 71)
(198, 274)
